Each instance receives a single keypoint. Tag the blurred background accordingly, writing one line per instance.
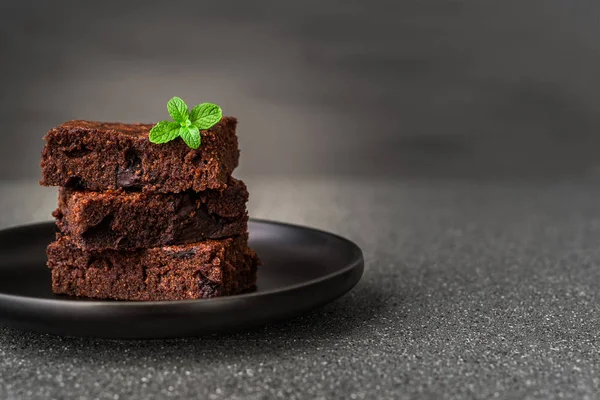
(436, 88)
(430, 132)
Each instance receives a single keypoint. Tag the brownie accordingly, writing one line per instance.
(102, 156)
(191, 271)
(131, 220)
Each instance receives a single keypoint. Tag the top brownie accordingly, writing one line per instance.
(101, 156)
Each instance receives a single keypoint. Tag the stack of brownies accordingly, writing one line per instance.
(143, 221)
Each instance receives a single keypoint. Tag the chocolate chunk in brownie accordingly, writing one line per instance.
(123, 220)
(102, 156)
(192, 271)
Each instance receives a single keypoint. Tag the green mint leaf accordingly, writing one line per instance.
(185, 123)
(178, 110)
(206, 115)
(164, 132)
(190, 135)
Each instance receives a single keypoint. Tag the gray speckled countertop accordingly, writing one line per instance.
(470, 291)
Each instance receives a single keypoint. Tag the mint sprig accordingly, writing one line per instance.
(186, 124)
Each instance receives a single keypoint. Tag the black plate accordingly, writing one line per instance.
(303, 269)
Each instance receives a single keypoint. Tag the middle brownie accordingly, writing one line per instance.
(122, 220)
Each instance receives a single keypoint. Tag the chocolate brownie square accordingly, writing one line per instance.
(121, 220)
(103, 156)
(191, 271)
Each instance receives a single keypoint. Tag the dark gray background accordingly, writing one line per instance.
(494, 88)
(473, 288)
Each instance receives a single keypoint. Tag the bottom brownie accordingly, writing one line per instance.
(191, 271)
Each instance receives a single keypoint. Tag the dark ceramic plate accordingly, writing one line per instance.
(303, 269)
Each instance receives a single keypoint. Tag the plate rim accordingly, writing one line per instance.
(357, 262)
